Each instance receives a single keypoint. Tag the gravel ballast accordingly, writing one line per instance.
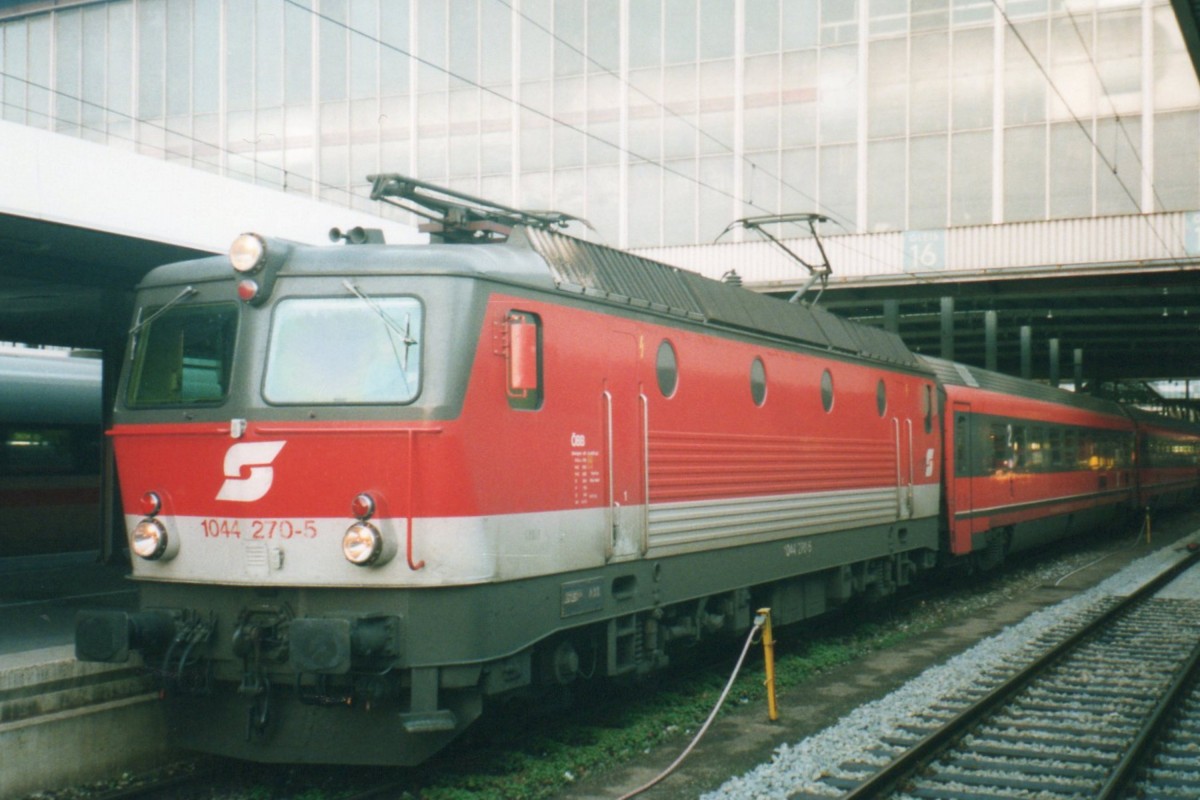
(798, 767)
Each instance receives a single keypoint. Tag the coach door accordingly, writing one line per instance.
(625, 412)
(963, 451)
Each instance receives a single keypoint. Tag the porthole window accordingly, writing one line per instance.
(667, 368)
(881, 397)
(827, 390)
(758, 382)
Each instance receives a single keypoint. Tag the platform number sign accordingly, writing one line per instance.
(1191, 221)
(924, 250)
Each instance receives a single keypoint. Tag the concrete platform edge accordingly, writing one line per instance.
(81, 745)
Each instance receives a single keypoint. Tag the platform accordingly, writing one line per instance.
(107, 716)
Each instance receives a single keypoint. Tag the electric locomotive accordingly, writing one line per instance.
(370, 488)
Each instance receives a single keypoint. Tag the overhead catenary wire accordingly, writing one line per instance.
(666, 108)
(1133, 148)
(1080, 124)
(518, 103)
(833, 216)
(550, 117)
(284, 173)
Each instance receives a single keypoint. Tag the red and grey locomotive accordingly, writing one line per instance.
(369, 488)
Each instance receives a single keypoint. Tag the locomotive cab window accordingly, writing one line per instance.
(523, 356)
(326, 350)
(182, 355)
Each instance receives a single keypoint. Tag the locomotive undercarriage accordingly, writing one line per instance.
(390, 676)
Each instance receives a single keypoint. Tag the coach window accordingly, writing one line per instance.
(1020, 447)
(666, 367)
(1070, 449)
(524, 360)
(881, 397)
(927, 407)
(827, 391)
(1001, 438)
(758, 382)
(1033, 448)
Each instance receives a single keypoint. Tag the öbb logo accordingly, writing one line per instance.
(257, 456)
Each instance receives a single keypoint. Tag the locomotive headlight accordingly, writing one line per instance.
(149, 540)
(363, 544)
(247, 253)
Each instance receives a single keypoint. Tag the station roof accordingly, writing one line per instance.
(1134, 323)
(80, 224)
(1123, 289)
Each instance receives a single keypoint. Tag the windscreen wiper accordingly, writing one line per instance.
(404, 335)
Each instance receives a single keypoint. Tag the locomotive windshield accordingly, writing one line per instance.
(344, 350)
(182, 355)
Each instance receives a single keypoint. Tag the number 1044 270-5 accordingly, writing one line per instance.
(259, 528)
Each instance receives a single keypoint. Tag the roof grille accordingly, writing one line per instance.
(619, 277)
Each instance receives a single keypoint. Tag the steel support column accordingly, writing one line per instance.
(891, 316)
(989, 339)
(1026, 352)
(1054, 356)
(947, 317)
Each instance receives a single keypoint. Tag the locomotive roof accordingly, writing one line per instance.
(544, 259)
(955, 374)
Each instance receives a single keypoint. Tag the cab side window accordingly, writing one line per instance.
(523, 360)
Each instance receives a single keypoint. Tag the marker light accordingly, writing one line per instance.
(362, 544)
(363, 507)
(247, 290)
(149, 539)
(150, 504)
(247, 253)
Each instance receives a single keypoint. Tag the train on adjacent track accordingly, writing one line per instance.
(370, 489)
(51, 441)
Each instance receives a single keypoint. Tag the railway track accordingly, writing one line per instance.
(1111, 710)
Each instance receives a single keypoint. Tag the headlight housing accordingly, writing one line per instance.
(247, 253)
(149, 540)
(362, 544)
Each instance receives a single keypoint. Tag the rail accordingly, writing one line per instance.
(899, 769)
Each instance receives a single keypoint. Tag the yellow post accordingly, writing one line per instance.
(1147, 524)
(768, 641)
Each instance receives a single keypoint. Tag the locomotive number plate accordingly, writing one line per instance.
(580, 597)
(263, 529)
(797, 547)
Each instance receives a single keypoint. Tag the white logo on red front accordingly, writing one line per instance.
(257, 456)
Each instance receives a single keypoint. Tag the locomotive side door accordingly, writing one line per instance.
(625, 418)
(904, 466)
